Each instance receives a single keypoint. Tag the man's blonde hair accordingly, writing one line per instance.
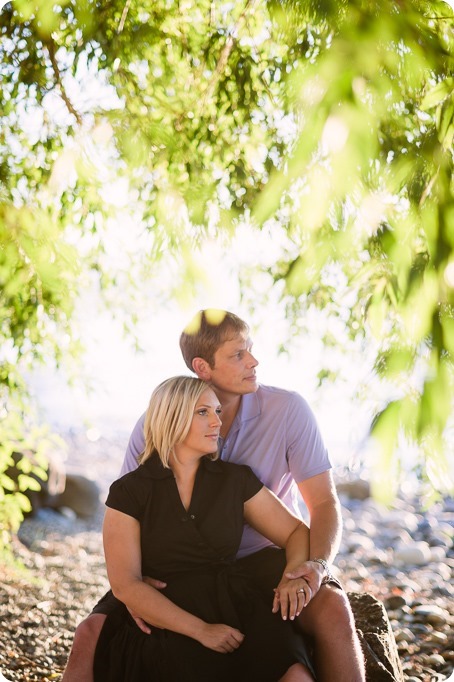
(169, 416)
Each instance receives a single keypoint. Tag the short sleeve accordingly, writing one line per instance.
(123, 498)
(307, 455)
(135, 448)
(251, 484)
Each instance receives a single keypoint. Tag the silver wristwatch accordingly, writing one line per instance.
(328, 575)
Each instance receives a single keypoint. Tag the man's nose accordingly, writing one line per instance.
(252, 361)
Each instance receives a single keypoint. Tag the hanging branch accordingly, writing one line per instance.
(50, 45)
(225, 54)
(124, 14)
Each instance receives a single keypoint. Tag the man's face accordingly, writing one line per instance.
(234, 367)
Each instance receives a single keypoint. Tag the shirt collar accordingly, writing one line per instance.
(249, 409)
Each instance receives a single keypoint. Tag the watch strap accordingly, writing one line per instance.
(328, 575)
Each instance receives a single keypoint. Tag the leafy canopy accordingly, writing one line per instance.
(327, 125)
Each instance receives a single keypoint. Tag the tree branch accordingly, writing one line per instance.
(225, 54)
(124, 14)
(50, 45)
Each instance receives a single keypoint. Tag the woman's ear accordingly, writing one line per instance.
(201, 368)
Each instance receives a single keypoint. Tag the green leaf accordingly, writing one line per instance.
(438, 94)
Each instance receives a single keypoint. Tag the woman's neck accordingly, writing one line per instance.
(185, 473)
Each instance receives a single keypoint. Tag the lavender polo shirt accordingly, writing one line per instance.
(276, 434)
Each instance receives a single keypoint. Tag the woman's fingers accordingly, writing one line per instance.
(292, 599)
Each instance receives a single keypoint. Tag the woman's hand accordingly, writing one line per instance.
(218, 637)
(291, 596)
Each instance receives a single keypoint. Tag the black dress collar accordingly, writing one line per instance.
(153, 467)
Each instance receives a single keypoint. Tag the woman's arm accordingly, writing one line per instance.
(121, 536)
(270, 517)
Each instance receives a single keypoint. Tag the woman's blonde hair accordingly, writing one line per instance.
(169, 416)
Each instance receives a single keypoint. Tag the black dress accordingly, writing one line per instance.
(194, 552)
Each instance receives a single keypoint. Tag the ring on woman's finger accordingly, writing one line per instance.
(301, 590)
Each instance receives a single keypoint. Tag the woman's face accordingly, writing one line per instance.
(202, 438)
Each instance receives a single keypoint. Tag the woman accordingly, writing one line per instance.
(179, 518)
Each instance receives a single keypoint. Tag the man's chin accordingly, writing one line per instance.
(250, 386)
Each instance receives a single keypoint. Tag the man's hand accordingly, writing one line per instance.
(141, 624)
(311, 571)
(218, 637)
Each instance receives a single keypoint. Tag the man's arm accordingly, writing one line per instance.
(325, 528)
(270, 517)
(320, 497)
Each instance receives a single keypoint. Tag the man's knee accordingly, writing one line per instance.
(87, 633)
(79, 667)
(330, 605)
(335, 601)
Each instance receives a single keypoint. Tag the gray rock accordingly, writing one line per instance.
(81, 494)
(377, 639)
(358, 489)
(431, 613)
(60, 489)
(396, 601)
(417, 553)
(401, 519)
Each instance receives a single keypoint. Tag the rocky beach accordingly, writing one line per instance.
(402, 555)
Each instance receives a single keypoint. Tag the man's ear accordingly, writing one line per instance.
(201, 368)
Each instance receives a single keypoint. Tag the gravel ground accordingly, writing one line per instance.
(64, 576)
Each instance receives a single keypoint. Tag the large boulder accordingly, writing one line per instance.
(61, 488)
(81, 494)
(377, 639)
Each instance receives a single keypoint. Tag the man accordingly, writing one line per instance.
(275, 433)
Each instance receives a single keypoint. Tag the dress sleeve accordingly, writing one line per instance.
(251, 484)
(122, 497)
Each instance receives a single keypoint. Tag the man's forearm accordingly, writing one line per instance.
(325, 531)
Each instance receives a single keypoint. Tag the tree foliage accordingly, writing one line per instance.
(327, 125)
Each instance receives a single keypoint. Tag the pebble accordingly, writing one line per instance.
(417, 553)
(430, 613)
